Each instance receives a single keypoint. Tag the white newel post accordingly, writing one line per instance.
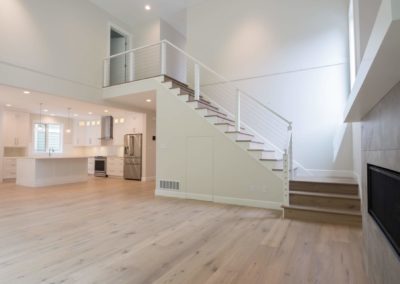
(163, 58)
(237, 124)
(196, 82)
(106, 73)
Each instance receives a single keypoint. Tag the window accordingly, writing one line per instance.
(47, 137)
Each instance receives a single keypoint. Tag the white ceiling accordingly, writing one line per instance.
(132, 12)
(59, 105)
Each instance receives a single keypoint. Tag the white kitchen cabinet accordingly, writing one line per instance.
(9, 168)
(93, 133)
(79, 133)
(130, 124)
(16, 129)
(87, 133)
(91, 166)
(115, 166)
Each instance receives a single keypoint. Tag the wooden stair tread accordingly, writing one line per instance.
(327, 195)
(216, 115)
(271, 160)
(239, 132)
(323, 210)
(220, 113)
(261, 150)
(250, 141)
(227, 124)
(170, 79)
(332, 181)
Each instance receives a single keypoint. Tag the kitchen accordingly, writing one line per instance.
(48, 140)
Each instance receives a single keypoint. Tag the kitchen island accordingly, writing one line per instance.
(45, 171)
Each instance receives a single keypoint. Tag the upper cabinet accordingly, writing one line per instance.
(87, 133)
(129, 124)
(16, 129)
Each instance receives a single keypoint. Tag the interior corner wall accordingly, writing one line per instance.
(147, 33)
(54, 47)
(150, 171)
(294, 60)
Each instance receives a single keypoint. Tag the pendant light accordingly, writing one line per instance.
(40, 115)
(68, 130)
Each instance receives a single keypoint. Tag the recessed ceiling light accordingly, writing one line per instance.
(90, 113)
(76, 115)
(147, 7)
(106, 111)
(27, 92)
(8, 105)
(148, 100)
(45, 110)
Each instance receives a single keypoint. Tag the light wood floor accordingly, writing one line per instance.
(115, 231)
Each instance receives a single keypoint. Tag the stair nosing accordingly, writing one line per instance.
(216, 115)
(261, 150)
(239, 132)
(249, 141)
(271, 160)
(201, 108)
(323, 210)
(327, 195)
(324, 182)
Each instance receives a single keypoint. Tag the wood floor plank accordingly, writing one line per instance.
(117, 231)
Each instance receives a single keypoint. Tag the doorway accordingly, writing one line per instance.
(119, 66)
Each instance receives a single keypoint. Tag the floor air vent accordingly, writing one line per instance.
(169, 185)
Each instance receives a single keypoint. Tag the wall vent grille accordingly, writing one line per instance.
(169, 185)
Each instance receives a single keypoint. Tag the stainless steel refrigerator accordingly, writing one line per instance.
(133, 156)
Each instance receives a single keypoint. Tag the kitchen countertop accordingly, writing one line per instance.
(54, 157)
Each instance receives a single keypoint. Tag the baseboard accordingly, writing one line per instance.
(220, 199)
(148, 178)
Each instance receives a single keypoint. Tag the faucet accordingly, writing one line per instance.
(51, 150)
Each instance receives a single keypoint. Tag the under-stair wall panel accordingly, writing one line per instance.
(237, 177)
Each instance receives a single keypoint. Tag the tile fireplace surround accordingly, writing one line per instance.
(381, 147)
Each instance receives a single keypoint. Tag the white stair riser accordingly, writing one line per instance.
(184, 98)
(226, 128)
(249, 145)
(264, 155)
(272, 164)
(168, 85)
(238, 136)
(205, 112)
(215, 119)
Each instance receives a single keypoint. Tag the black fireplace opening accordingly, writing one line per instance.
(384, 202)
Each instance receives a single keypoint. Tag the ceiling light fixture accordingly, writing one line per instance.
(106, 111)
(147, 7)
(45, 110)
(27, 92)
(90, 113)
(76, 115)
(8, 105)
(148, 100)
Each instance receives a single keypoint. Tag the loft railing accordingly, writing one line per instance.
(165, 58)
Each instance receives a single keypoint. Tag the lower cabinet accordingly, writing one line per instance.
(9, 168)
(115, 166)
(91, 166)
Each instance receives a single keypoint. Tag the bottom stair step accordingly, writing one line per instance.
(323, 215)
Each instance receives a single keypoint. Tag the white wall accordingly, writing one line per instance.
(291, 55)
(1, 144)
(150, 147)
(54, 47)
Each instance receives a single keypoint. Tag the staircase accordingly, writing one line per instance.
(259, 130)
(327, 201)
(268, 157)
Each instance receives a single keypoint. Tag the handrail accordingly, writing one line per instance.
(131, 50)
(225, 80)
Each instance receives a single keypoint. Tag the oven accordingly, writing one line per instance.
(100, 166)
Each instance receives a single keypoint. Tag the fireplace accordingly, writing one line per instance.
(384, 202)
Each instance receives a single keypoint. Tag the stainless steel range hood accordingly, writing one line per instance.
(107, 125)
